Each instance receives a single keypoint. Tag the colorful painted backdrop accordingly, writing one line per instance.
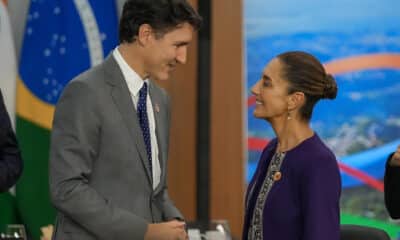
(359, 43)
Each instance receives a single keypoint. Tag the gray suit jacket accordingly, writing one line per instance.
(99, 177)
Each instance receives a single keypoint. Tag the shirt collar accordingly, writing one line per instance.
(133, 80)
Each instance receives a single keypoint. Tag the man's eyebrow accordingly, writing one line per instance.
(181, 43)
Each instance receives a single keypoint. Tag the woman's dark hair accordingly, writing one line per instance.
(162, 15)
(306, 74)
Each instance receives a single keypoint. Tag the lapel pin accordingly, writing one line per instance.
(157, 107)
(277, 176)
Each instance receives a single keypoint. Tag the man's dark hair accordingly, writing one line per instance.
(162, 15)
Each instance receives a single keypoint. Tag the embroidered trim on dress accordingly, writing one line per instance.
(256, 228)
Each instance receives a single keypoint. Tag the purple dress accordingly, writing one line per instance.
(296, 197)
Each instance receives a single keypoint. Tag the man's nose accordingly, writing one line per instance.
(181, 54)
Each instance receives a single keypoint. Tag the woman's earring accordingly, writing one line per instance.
(288, 115)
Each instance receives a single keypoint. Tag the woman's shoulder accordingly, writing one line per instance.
(314, 152)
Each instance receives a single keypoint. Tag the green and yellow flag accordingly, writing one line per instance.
(61, 39)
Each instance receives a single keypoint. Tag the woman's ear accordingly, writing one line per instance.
(296, 100)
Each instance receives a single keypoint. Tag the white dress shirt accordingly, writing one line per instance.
(135, 83)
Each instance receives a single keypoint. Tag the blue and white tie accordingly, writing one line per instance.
(144, 122)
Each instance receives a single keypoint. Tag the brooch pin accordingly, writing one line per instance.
(277, 176)
(157, 108)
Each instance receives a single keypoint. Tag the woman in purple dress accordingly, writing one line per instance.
(295, 191)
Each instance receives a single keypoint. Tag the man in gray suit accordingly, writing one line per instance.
(109, 142)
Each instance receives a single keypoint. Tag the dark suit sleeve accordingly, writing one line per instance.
(10, 157)
(392, 189)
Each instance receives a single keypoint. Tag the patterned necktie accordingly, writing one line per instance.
(144, 122)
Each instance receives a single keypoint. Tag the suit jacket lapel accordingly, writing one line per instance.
(123, 101)
(158, 109)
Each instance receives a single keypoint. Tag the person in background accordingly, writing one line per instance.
(392, 184)
(294, 193)
(109, 144)
(11, 164)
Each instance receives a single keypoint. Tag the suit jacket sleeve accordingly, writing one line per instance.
(10, 158)
(392, 189)
(74, 145)
(170, 212)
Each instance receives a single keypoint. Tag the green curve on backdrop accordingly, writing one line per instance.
(392, 229)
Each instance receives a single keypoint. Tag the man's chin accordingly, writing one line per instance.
(163, 77)
(159, 77)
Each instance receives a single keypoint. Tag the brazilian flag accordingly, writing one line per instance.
(62, 38)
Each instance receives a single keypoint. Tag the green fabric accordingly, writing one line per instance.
(8, 210)
(33, 188)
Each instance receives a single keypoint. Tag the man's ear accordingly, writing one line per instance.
(145, 34)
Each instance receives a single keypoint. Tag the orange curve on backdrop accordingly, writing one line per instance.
(363, 62)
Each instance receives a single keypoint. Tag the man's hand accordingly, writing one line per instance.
(395, 160)
(172, 230)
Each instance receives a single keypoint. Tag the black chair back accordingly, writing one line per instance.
(357, 232)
